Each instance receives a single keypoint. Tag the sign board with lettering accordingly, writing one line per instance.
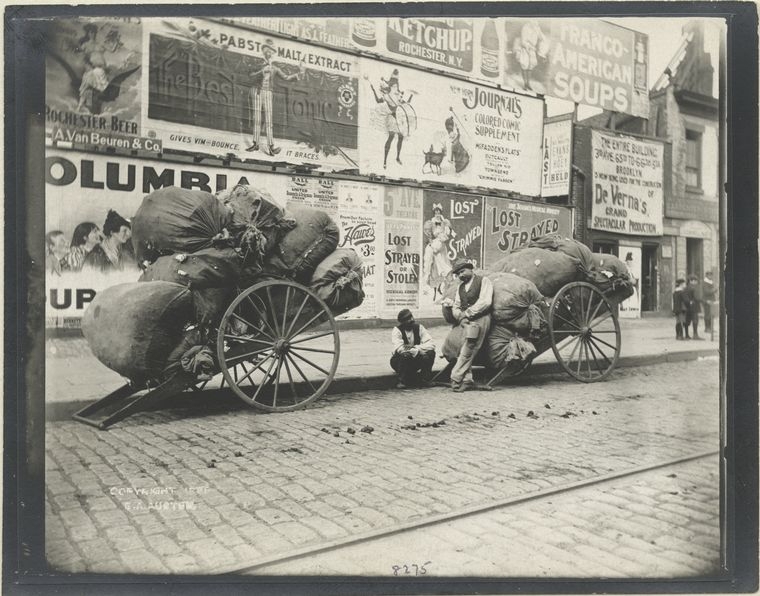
(93, 82)
(587, 61)
(220, 90)
(512, 224)
(426, 127)
(557, 154)
(626, 184)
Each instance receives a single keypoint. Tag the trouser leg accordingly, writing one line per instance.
(256, 116)
(708, 318)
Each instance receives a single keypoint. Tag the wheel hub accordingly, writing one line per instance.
(281, 346)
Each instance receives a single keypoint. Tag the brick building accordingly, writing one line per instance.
(684, 115)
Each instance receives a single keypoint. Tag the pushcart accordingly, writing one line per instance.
(276, 347)
(582, 330)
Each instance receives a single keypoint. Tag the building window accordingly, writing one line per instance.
(693, 159)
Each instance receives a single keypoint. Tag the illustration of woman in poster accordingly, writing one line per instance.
(401, 119)
(85, 238)
(531, 46)
(458, 155)
(435, 262)
(57, 249)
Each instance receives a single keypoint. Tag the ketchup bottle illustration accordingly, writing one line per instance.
(489, 50)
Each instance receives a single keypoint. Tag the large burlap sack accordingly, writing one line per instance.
(176, 220)
(516, 304)
(610, 275)
(548, 270)
(453, 343)
(207, 268)
(210, 304)
(568, 246)
(504, 347)
(302, 248)
(132, 328)
(257, 222)
(338, 280)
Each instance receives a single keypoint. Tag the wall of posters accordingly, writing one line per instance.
(557, 162)
(221, 90)
(630, 308)
(402, 248)
(421, 126)
(586, 61)
(452, 228)
(359, 208)
(512, 224)
(93, 77)
(627, 191)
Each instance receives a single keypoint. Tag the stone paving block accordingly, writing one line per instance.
(246, 554)
(297, 492)
(142, 562)
(181, 564)
(163, 546)
(324, 527)
(226, 535)
(272, 516)
(108, 519)
(340, 502)
(295, 533)
(323, 509)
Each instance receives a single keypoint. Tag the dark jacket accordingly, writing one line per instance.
(680, 302)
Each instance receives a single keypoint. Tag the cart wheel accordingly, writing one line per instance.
(584, 331)
(278, 346)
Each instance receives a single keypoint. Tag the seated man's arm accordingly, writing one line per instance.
(484, 300)
(426, 341)
(397, 341)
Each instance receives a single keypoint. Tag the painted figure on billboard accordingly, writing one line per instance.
(84, 240)
(458, 155)
(115, 250)
(529, 48)
(57, 249)
(634, 273)
(435, 263)
(261, 96)
(93, 81)
(400, 117)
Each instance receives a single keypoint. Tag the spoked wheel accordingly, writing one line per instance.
(278, 346)
(584, 331)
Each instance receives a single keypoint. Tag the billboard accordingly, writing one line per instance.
(222, 90)
(586, 61)
(627, 184)
(426, 127)
(93, 80)
(557, 158)
(452, 228)
(512, 224)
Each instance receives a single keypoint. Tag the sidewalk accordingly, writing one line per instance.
(74, 377)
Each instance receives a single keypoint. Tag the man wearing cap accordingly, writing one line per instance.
(261, 95)
(471, 307)
(413, 351)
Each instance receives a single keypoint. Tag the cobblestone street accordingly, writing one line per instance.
(180, 492)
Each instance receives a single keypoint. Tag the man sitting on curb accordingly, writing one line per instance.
(471, 307)
(413, 351)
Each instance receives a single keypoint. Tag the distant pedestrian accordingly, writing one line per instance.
(681, 309)
(708, 300)
(413, 351)
(471, 307)
(695, 301)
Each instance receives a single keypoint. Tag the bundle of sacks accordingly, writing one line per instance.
(522, 282)
(197, 250)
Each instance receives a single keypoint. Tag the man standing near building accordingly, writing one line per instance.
(471, 307)
(681, 309)
(708, 300)
(413, 351)
(694, 299)
(261, 95)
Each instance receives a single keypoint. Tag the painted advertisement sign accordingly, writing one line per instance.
(442, 42)
(452, 228)
(586, 61)
(329, 31)
(93, 76)
(222, 90)
(512, 224)
(426, 127)
(627, 191)
(359, 206)
(557, 154)
(402, 209)
(313, 193)
(630, 308)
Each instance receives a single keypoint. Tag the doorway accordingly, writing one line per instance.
(694, 263)
(649, 272)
